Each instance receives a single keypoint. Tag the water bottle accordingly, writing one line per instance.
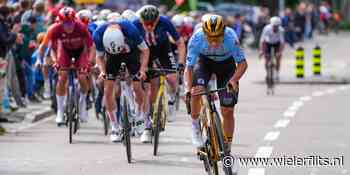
(6, 102)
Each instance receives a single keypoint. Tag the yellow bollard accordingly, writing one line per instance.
(299, 62)
(316, 60)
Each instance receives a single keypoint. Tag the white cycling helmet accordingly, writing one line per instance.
(129, 15)
(83, 15)
(188, 20)
(178, 20)
(113, 16)
(275, 21)
(113, 40)
(103, 14)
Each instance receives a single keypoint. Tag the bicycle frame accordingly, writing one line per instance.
(160, 94)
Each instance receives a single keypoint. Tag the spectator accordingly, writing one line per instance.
(8, 38)
(288, 25)
(300, 21)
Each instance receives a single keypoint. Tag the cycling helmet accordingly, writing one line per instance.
(113, 40)
(149, 13)
(66, 13)
(178, 20)
(213, 26)
(103, 14)
(84, 16)
(275, 21)
(129, 15)
(113, 16)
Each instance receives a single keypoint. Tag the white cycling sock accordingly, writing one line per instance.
(60, 104)
(195, 123)
(82, 104)
(47, 86)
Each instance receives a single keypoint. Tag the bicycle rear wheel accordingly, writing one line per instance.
(157, 125)
(126, 130)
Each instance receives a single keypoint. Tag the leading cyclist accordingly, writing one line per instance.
(214, 49)
(118, 42)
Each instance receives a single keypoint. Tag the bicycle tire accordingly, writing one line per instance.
(221, 142)
(105, 121)
(70, 119)
(76, 113)
(157, 126)
(210, 165)
(126, 130)
(177, 99)
(213, 163)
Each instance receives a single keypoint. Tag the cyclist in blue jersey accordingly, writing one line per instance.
(118, 42)
(214, 49)
(155, 29)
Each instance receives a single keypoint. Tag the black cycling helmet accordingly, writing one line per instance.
(149, 13)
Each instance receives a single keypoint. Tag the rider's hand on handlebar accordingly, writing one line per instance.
(232, 86)
(102, 76)
(181, 67)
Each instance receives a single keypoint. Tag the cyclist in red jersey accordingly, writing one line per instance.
(69, 39)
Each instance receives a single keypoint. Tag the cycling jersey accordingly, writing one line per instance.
(70, 41)
(271, 37)
(198, 46)
(133, 37)
(161, 31)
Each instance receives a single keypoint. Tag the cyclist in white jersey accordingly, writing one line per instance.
(273, 37)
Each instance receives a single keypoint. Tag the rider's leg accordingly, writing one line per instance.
(228, 125)
(63, 61)
(110, 104)
(172, 81)
(85, 85)
(83, 68)
(61, 94)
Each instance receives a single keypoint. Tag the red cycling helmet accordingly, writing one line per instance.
(66, 13)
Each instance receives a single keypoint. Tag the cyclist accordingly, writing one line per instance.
(214, 49)
(273, 37)
(155, 29)
(69, 39)
(120, 41)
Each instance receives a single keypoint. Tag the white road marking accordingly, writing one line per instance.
(256, 171)
(317, 93)
(282, 123)
(344, 171)
(184, 159)
(31, 125)
(343, 88)
(264, 151)
(289, 114)
(306, 98)
(271, 136)
(331, 91)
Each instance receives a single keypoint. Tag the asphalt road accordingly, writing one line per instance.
(300, 120)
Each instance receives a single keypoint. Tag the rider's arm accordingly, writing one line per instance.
(262, 39)
(242, 64)
(180, 43)
(100, 50)
(45, 43)
(181, 47)
(281, 40)
(144, 56)
(192, 57)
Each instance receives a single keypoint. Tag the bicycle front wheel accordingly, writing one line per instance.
(126, 130)
(221, 143)
(157, 125)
